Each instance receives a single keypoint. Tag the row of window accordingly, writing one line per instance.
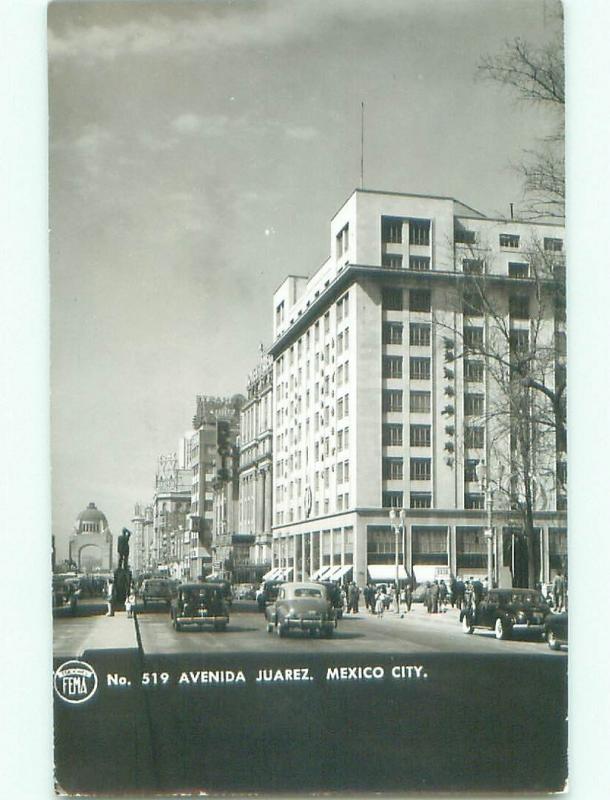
(393, 228)
(509, 241)
(416, 263)
(419, 435)
(419, 333)
(419, 368)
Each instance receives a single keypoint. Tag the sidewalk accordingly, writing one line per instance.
(111, 633)
(418, 612)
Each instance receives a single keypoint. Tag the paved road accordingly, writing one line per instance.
(417, 632)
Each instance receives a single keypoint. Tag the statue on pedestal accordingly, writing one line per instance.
(122, 575)
(123, 548)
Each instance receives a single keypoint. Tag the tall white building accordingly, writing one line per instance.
(378, 406)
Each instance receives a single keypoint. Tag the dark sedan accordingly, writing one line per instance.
(506, 611)
(303, 607)
(556, 630)
(199, 604)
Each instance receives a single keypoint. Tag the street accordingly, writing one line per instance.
(416, 632)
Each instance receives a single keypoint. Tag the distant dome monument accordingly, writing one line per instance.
(91, 530)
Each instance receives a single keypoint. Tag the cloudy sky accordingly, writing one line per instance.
(197, 153)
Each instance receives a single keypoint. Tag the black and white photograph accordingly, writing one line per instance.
(308, 372)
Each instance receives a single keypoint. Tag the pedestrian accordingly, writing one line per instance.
(354, 597)
(409, 592)
(380, 603)
(434, 591)
(559, 586)
(110, 598)
(130, 603)
(460, 589)
(442, 596)
(428, 597)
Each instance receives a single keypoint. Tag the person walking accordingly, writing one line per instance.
(559, 586)
(110, 598)
(460, 589)
(434, 597)
(130, 603)
(380, 603)
(442, 596)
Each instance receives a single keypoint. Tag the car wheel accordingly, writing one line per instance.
(502, 630)
(466, 626)
(552, 641)
(270, 627)
(280, 630)
(177, 626)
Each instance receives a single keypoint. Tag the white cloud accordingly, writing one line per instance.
(187, 123)
(302, 132)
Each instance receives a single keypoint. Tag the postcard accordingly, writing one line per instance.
(309, 381)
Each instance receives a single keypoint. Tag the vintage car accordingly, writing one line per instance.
(268, 593)
(334, 595)
(199, 604)
(303, 607)
(225, 588)
(66, 592)
(157, 590)
(556, 630)
(506, 611)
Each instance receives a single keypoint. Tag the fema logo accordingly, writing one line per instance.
(75, 681)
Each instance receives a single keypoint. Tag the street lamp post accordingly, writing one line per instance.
(483, 476)
(397, 519)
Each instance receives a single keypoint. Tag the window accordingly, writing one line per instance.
(391, 230)
(420, 299)
(392, 469)
(391, 333)
(472, 501)
(420, 500)
(391, 366)
(553, 245)
(472, 266)
(343, 241)
(327, 322)
(391, 261)
(340, 408)
(419, 263)
(470, 470)
(519, 341)
(419, 401)
(279, 314)
(516, 269)
(473, 337)
(420, 469)
(391, 399)
(509, 240)
(346, 437)
(420, 435)
(342, 307)
(339, 441)
(473, 304)
(474, 437)
(419, 369)
(473, 370)
(419, 334)
(519, 306)
(473, 404)
(391, 299)
(462, 236)
(391, 435)
(340, 472)
(391, 499)
(419, 231)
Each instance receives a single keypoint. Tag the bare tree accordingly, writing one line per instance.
(511, 342)
(536, 75)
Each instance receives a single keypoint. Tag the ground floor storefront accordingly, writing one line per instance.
(364, 545)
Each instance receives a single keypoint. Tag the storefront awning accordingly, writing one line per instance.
(269, 576)
(386, 572)
(316, 575)
(337, 573)
(284, 574)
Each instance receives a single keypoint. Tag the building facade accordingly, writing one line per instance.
(255, 466)
(141, 543)
(381, 404)
(170, 512)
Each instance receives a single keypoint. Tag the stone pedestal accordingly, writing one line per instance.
(122, 586)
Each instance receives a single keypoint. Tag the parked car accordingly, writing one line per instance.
(556, 630)
(157, 590)
(507, 611)
(199, 604)
(301, 606)
(225, 587)
(66, 592)
(334, 595)
(245, 591)
(268, 593)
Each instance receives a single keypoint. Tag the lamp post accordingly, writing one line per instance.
(484, 480)
(397, 519)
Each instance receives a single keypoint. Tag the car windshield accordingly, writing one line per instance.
(307, 593)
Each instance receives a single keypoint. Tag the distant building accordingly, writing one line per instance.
(210, 452)
(255, 468)
(141, 543)
(170, 513)
(91, 531)
(369, 415)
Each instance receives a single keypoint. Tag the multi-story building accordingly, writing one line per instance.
(378, 405)
(170, 512)
(255, 466)
(216, 424)
(140, 545)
